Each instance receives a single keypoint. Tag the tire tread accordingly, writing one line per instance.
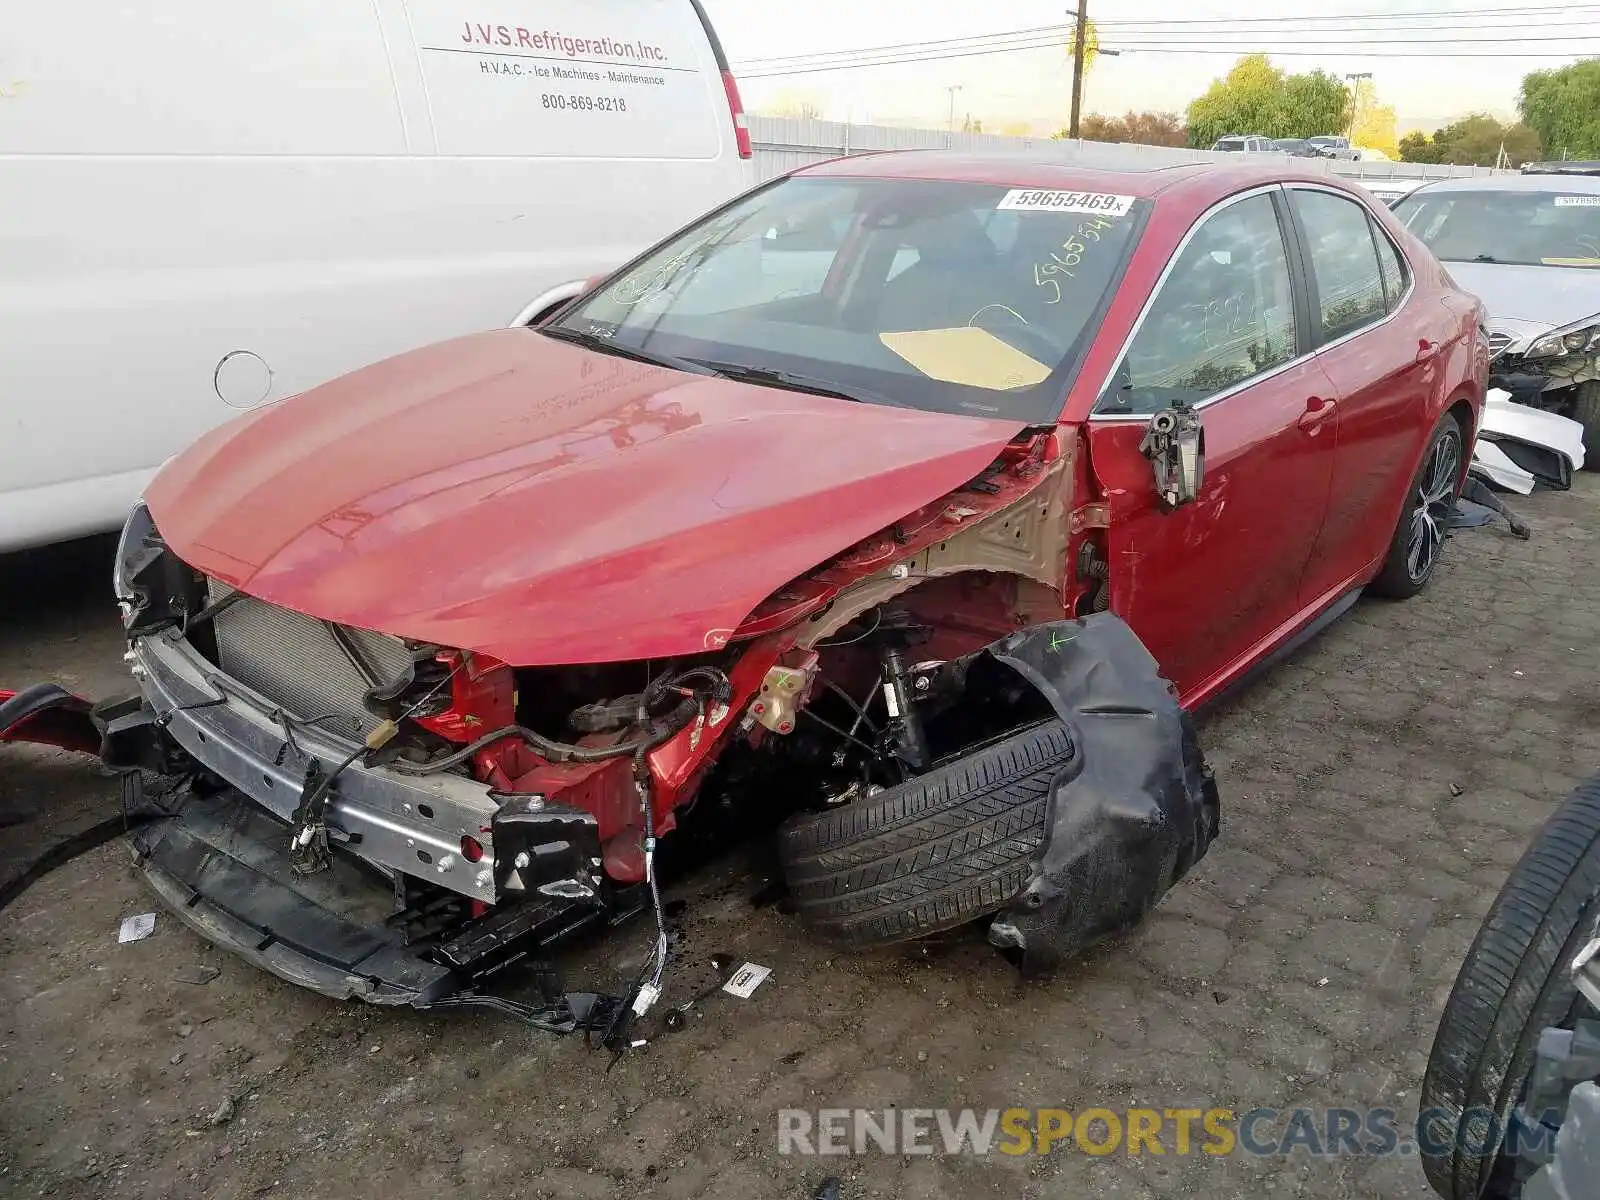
(1514, 982)
(935, 852)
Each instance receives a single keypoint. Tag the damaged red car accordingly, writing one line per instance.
(886, 500)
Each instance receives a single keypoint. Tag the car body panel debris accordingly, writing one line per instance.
(746, 980)
(49, 715)
(1495, 465)
(1135, 810)
(1538, 443)
(136, 928)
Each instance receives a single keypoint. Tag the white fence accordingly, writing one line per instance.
(784, 143)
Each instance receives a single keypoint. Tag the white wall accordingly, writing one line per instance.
(784, 143)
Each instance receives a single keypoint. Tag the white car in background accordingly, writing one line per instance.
(210, 205)
(1529, 246)
(1243, 143)
(1332, 146)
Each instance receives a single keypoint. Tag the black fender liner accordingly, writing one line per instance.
(50, 715)
(1131, 813)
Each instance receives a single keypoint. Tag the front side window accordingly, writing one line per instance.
(1552, 229)
(1344, 261)
(943, 296)
(1224, 314)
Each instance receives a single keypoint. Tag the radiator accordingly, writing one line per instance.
(296, 662)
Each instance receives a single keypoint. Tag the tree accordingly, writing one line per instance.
(1314, 103)
(1418, 147)
(1091, 46)
(1256, 97)
(1372, 125)
(1156, 129)
(1563, 107)
(1473, 140)
(1097, 128)
(1144, 129)
(1245, 100)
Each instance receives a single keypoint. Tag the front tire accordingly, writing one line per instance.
(929, 854)
(1425, 518)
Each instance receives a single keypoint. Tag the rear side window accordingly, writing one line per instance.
(570, 79)
(1344, 262)
(1393, 267)
(1224, 314)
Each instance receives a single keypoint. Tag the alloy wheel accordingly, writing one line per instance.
(1435, 497)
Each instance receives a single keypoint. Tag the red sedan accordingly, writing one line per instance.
(888, 496)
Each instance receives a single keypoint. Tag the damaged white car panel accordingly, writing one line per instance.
(1505, 419)
(1493, 464)
(1519, 445)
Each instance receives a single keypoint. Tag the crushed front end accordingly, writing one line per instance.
(1556, 371)
(466, 840)
(397, 821)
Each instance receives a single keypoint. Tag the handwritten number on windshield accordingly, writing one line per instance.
(1062, 261)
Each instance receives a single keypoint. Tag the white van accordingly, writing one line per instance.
(208, 205)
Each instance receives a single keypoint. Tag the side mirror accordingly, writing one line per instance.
(1175, 444)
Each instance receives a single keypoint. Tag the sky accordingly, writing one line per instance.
(1419, 64)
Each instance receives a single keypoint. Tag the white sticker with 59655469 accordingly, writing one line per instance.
(1102, 204)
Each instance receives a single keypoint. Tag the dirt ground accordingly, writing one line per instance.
(1376, 789)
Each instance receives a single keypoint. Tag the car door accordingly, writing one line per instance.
(1381, 349)
(1211, 583)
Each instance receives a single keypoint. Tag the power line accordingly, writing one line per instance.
(1552, 10)
(1437, 48)
(901, 58)
(1290, 40)
(970, 40)
(1213, 26)
(1238, 52)
(1274, 42)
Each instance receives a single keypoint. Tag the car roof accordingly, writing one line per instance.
(1122, 174)
(1581, 184)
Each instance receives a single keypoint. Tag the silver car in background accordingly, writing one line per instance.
(1529, 246)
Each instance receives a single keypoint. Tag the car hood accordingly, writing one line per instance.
(543, 503)
(1528, 302)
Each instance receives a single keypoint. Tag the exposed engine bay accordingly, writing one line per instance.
(497, 810)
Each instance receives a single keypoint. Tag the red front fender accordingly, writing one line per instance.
(50, 716)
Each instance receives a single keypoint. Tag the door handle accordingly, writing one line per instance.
(1426, 349)
(1318, 410)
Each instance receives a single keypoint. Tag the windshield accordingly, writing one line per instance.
(941, 296)
(1528, 228)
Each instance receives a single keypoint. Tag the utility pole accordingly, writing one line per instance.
(953, 89)
(1355, 100)
(1078, 40)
